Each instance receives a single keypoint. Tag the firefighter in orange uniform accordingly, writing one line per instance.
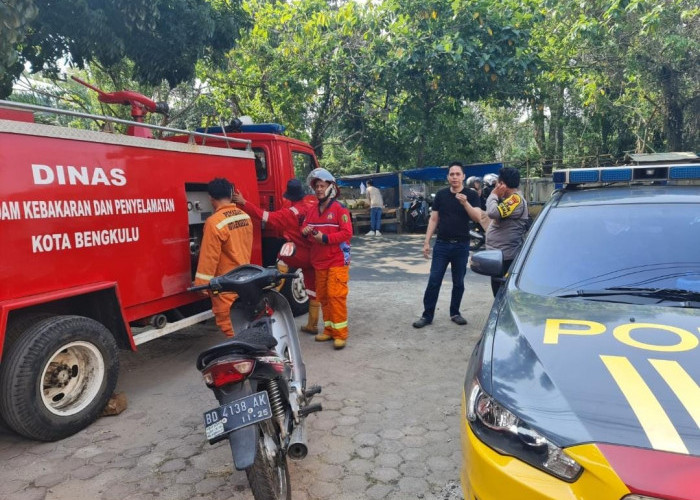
(329, 229)
(226, 244)
(289, 220)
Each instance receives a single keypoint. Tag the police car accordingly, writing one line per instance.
(584, 383)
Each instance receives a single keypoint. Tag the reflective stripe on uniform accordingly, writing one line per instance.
(294, 210)
(337, 326)
(233, 218)
(265, 216)
(203, 276)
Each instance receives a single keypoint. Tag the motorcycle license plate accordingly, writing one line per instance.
(237, 414)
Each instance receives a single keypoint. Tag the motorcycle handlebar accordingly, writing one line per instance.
(279, 276)
(288, 275)
(198, 288)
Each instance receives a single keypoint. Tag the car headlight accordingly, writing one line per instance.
(503, 431)
(639, 497)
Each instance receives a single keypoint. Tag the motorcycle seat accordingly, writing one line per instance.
(253, 341)
(259, 334)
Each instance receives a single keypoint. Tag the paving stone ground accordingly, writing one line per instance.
(389, 429)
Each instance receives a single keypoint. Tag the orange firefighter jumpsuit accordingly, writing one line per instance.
(226, 244)
(331, 260)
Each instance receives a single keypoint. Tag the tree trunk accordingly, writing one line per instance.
(423, 130)
(556, 129)
(319, 126)
(539, 122)
(605, 131)
(673, 123)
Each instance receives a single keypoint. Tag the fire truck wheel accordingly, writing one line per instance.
(19, 324)
(295, 293)
(57, 378)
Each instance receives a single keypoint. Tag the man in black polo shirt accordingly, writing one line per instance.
(450, 218)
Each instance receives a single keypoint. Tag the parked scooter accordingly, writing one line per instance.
(417, 213)
(259, 379)
(477, 236)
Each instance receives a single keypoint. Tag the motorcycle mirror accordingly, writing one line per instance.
(288, 249)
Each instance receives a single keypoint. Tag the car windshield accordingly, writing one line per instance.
(584, 250)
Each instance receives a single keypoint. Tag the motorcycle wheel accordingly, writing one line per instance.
(475, 244)
(269, 476)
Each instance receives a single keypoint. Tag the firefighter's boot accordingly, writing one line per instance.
(314, 311)
(322, 337)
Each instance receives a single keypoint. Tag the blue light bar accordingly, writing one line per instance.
(265, 128)
(684, 172)
(616, 175)
(580, 176)
(633, 173)
(559, 176)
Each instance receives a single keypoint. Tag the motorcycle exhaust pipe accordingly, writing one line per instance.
(297, 442)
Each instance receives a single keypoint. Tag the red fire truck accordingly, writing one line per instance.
(101, 235)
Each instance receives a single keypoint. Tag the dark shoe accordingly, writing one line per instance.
(457, 318)
(421, 323)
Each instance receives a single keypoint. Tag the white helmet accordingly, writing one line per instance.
(323, 175)
(490, 180)
(319, 174)
(472, 181)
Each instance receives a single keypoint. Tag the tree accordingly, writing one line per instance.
(163, 38)
(391, 80)
(15, 16)
(617, 76)
(445, 55)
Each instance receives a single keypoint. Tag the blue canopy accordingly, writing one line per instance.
(382, 180)
(391, 179)
(440, 173)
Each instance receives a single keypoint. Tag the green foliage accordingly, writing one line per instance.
(391, 80)
(15, 16)
(630, 70)
(396, 84)
(163, 38)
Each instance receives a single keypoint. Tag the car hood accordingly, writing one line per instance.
(588, 371)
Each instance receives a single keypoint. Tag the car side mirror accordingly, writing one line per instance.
(487, 262)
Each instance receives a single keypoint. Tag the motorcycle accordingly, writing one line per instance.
(259, 380)
(477, 236)
(417, 213)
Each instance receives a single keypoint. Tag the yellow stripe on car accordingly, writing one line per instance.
(682, 384)
(651, 415)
